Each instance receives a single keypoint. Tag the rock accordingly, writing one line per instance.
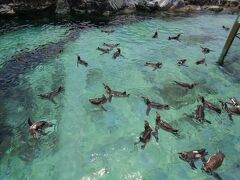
(233, 3)
(34, 6)
(108, 7)
(214, 8)
(62, 7)
(189, 8)
(167, 4)
(6, 10)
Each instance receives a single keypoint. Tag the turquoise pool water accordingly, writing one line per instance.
(87, 143)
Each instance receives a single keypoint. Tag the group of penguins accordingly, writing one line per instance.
(232, 108)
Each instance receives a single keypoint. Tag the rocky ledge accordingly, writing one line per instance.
(108, 7)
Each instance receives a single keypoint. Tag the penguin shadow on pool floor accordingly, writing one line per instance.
(176, 97)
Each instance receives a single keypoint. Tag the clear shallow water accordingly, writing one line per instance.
(87, 143)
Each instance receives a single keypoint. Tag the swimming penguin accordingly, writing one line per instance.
(117, 54)
(186, 85)
(175, 37)
(164, 125)
(80, 61)
(103, 50)
(213, 163)
(210, 105)
(200, 115)
(226, 28)
(145, 136)
(151, 104)
(201, 61)
(111, 45)
(230, 111)
(181, 62)
(50, 96)
(113, 93)
(36, 129)
(205, 50)
(99, 101)
(191, 156)
(107, 31)
(155, 35)
(155, 66)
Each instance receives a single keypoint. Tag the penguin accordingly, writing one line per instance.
(145, 136)
(107, 31)
(205, 50)
(200, 115)
(80, 61)
(164, 125)
(151, 104)
(99, 101)
(103, 50)
(210, 105)
(113, 93)
(181, 62)
(201, 61)
(155, 35)
(175, 37)
(117, 54)
(50, 96)
(37, 128)
(111, 45)
(225, 28)
(213, 163)
(155, 66)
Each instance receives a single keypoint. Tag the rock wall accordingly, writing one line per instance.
(103, 7)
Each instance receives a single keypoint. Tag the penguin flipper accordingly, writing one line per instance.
(191, 163)
(29, 122)
(148, 110)
(154, 69)
(216, 176)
